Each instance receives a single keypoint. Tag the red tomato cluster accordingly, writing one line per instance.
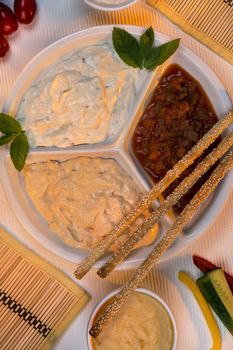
(24, 12)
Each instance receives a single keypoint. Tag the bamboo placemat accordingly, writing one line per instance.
(209, 21)
(37, 301)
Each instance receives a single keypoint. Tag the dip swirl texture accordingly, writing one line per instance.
(85, 97)
(81, 199)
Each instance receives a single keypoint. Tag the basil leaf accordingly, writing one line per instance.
(9, 125)
(159, 55)
(6, 139)
(19, 150)
(146, 42)
(127, 47)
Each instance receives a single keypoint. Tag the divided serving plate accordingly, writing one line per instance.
(118, 148)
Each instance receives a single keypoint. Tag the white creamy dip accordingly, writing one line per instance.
(84, 97)
(82, 199)
(142, 324)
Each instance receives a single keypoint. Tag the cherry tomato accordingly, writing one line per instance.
(25, 10)
(4, 46)
(8, 22)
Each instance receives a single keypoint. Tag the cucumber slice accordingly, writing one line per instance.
(222, 288)
(210, 294)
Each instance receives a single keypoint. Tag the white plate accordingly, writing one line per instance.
(12, 181)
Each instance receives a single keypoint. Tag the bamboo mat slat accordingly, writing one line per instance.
(37, 301)
(209, 21)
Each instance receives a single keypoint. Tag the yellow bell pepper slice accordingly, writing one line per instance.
(206, 311)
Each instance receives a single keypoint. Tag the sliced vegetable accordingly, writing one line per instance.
(206, 266)
(203, 265)
(215, 301)
(222, 288)
(210, 320)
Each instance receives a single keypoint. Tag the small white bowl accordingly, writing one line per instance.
(140, 290)
(99, 5)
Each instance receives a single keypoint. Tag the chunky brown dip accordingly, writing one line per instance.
(178, 115)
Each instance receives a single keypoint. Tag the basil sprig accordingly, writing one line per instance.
(15, 136)
(142, 53)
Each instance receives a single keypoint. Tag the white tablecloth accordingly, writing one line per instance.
(55, 19)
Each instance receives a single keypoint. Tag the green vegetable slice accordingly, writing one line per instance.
(222, 288)
(209, 317)
(215, 302)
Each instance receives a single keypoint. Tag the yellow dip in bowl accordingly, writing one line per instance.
(144, 322)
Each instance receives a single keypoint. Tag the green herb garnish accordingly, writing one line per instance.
(15, 136)
(142, 53)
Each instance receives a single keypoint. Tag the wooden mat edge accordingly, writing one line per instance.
(54, 336)
(191, 30)
(82, 296)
